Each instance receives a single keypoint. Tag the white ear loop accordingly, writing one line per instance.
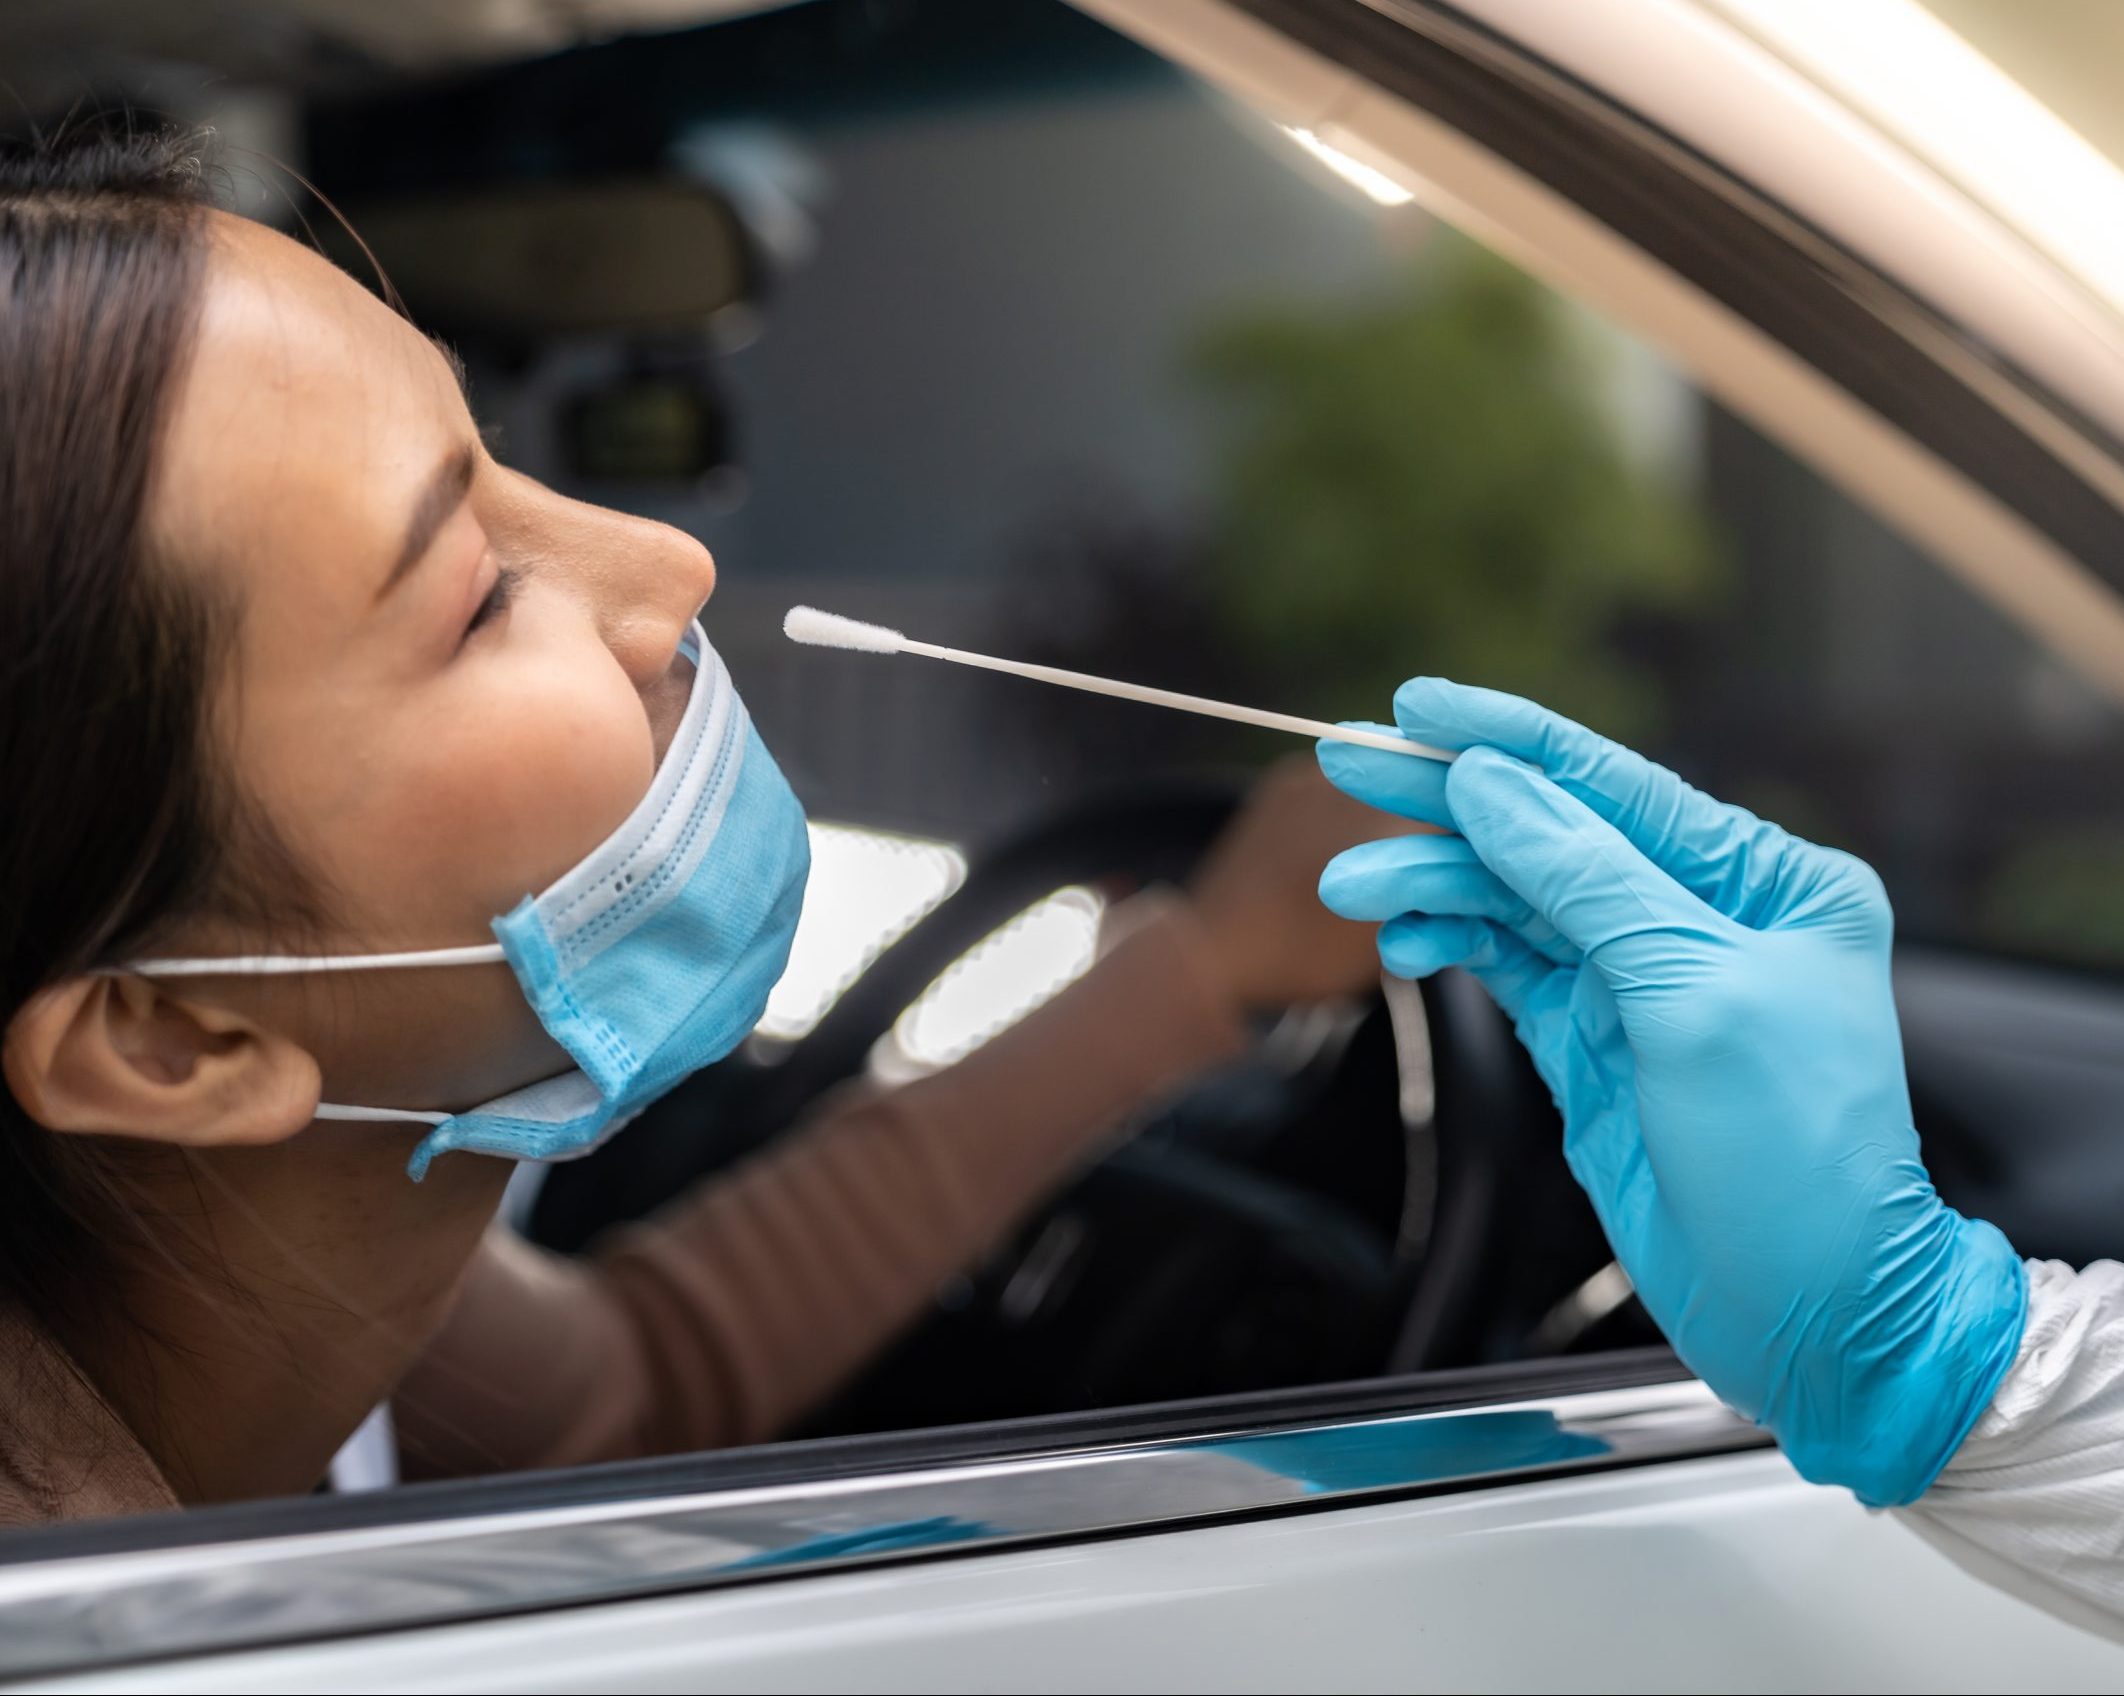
(392, 1115)
(284, 965)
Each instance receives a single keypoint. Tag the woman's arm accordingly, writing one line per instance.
(748, 1301)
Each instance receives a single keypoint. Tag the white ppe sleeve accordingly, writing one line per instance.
(2038, 1484)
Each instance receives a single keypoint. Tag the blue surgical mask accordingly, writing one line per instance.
(649, 960)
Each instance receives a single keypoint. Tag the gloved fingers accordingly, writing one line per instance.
(1415, 945)
(1722, 854)
(1608, 1160)
(1376, 881)
(1631, 920)
(1394, 783)
(1833, 890)
(1592, 1074)
(1569, 1023)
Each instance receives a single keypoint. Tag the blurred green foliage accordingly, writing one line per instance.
(2060, 897)
(1429, 482)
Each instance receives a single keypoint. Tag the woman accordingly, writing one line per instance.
(294, 677)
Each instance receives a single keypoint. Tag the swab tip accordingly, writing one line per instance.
(830, 630)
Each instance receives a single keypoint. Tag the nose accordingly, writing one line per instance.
(660, 579)
(639, 581)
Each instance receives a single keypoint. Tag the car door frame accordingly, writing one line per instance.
(220, 1580)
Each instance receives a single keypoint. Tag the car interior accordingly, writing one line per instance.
(975, 318)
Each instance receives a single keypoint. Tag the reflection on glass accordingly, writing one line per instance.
(1375, 183)
(867, 888)
(995, 984)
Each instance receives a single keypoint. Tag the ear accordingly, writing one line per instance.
(123, 1056)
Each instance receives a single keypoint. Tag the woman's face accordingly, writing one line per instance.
(448, 684)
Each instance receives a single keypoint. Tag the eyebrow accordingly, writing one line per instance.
(457, 367)
(444, 493)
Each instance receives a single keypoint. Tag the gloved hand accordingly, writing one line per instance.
(1708, 1000)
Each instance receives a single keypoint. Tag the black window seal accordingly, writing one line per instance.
(828, 1458)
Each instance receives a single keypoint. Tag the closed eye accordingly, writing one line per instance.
(495, 603)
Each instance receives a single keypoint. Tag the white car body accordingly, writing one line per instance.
(1722, 1574)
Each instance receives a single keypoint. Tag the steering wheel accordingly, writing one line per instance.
(1274, 1225)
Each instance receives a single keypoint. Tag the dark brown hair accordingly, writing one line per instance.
(110, 822)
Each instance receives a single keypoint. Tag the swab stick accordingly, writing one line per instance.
(830, 630)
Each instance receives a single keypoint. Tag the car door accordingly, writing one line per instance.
(1593, 1521)
(1505, 1530)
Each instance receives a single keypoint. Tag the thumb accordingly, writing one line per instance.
(1574, 868)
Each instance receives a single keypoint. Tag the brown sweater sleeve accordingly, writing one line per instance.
(749, 1300)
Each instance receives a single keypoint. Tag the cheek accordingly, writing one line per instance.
(512, 783)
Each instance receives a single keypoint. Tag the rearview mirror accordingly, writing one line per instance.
(543, 259)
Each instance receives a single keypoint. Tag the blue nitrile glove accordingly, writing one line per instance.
(1708, 999)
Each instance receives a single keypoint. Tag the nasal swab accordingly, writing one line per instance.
(830, 630)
